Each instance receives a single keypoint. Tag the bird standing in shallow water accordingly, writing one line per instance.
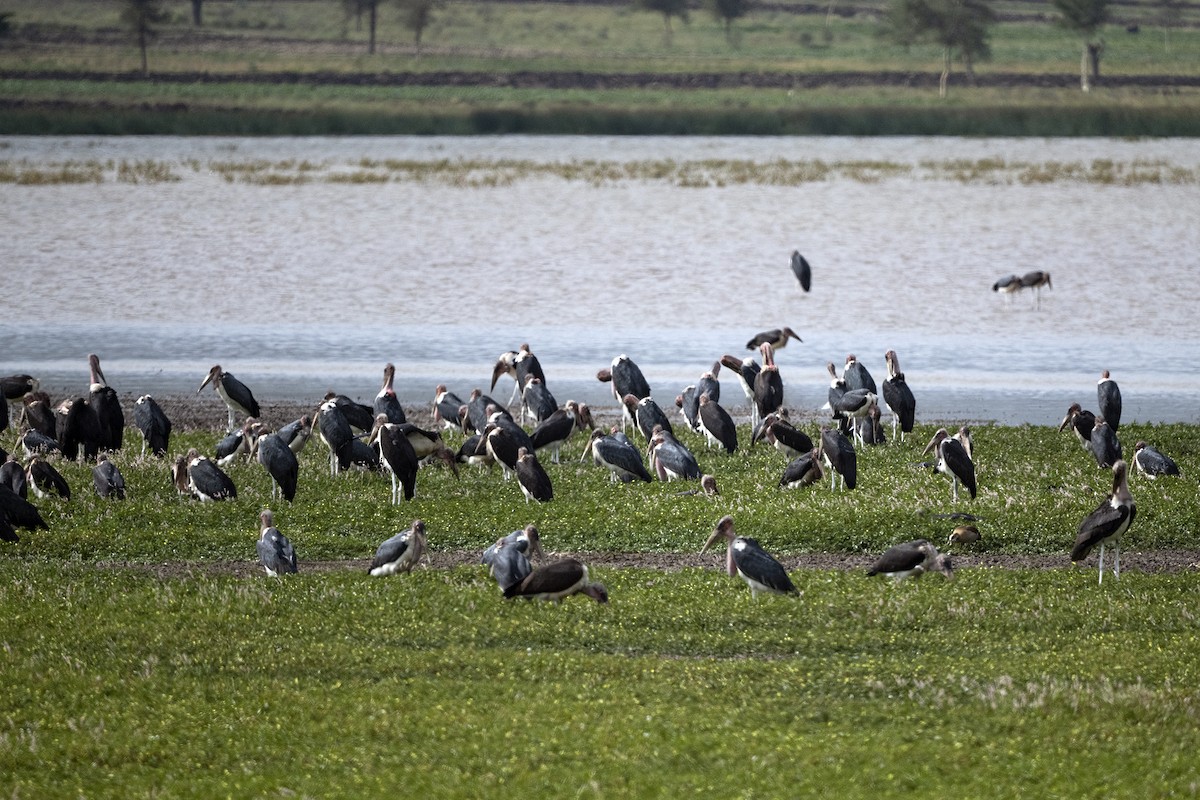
(1108, 523)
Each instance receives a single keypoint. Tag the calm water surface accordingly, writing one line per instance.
(302, 287)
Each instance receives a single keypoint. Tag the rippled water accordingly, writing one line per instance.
(301, 287)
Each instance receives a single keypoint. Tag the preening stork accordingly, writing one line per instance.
(1151, 463)
(802, 270)
(531, 475)
(400, 553)
(1081, 423)
(275, 551)
(45, 480)
(746, 370)
(205, 480)
(1105, 445)
(776, 337)
(17, 512)
(106, 406)
(768, 385)
(38, 413)
(508, 559)
(618, 456)
(446, 405)
(838, 453)
(153, 424)
(952, 460)
(778, 431)
(647, 415)
(238, 443)
(1108, 399)
(12, 475)
(688, 403)
(1107, 524)
(558, 428)
(745, 558)
(870, 428)
(107, 479)
(803, 470)
(386, 402)
(280, 463)
(912, 560)
(670, 459)
(398, 457)
(235, 394)
(716, 424)
(899, 397)
(557, 581)
(296, 433)
(360, 415)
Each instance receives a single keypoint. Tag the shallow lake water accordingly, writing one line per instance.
(439, 253)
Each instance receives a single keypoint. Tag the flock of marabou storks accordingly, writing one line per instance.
(379, 437)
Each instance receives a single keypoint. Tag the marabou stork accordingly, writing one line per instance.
(776, 337)
(618, 456)
(532, 477)
(446, 405)
(206, 480)
(1151, 462)
(716, 424)
(400, 553)
(839, 455)
(857, 376)
(45, 480)
(237, 443)
(35, 442)
(911, 560)
(108, 479)
(899, 397)
(386, 402)
(153, 424)
(670, 459)
(105, 404)
(527, 540)
(360, 415)
(15, 387)
(870, 429)
(1081, 423)
(275, 552)
(768, 385)
(12, 475)
(333, 429)
(537, 400)
(709, 384)
(38, 413)
(626, 378)
(747, 370)
(18, 512)
(688, 403)
(480, 408)
(953, 460)
(76, 424)
(519, 365)
(779, 432)
(1107, 523)
(557, 429)
(296, 433)
(1108, 399)
(802, 470)
(236, 395)
(1008, 285)
(746, 559)
(557, 581)
(801, 270)
(500, 447)
(506, 563)
(398, 456)
(646, 414)
(280, 463)
(1105, 445)
(1035, 280)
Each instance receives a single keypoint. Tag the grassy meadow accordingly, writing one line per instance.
(142, 654)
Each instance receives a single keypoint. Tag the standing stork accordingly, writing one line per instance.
(626, 378)
(898, 396)
(1081, 423)
(838, 454)
(12, 475)
(446, 405)
(557, 581)
(45, 480)
(106, 406)
(537, 400)
(1108, 523)
(670, 458)
(745, 558)
(768, 385)
(747, 370)
(527, 541)
(333, 429)
(532, 477)
(1035, 280)
(779, 432)
(802, 270)
(953, 460)
(1105, 446)
(688, 403)
(911, 560)
(398, 456)
(18, 512)
(400, 553)
(153, 424)
(1151, 462)
(857, 376)
(275, 551)
(206, 480)
(716, 424)
(386, 402)
(280, 463)
(558, 428)
(618, 456)
(107, 479)
(236, 395)
(296, 433)
(1108, 398)
(776, 337)
(647, 415)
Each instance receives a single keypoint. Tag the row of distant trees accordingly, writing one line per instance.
(959, 26)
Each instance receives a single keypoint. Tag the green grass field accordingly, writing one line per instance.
(137, 661)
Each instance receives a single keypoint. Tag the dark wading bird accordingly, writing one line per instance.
(107, 479)
(716, 424)
(802, 470)
(400, 553)
(626, 378)
(205, 480)
(898, 396)
(398, 457)
(839, 455)
(776, 337)
(744, 558)
(508, 559)
(106, 406)
(275, 552)
(520, 365)
(801, 270)
(778, 431)
(1105, 446)
(964, 534)
(617, 455)
(953, 460)
(1035, 280)
(17, 512)
(386, 402)
(15, 387)
(1008, 285)
(670, 459)
(1107, 524)
(234, 393)
(360, 415)
(746, 370)
(12, 475)
(532, 477)
(557, 581)
(1151, 463)
(333, 429)
(76, 425)
(1081, 423)
(280, 463)
(912, 559)
(768, 385)
(38, 414)
(153, 424)
(45, 480)
(1108, 398)
(296, 433)
(647, 415)
(559, 427)
(446, 405)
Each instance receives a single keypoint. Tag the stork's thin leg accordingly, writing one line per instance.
(1117, 560)
(1101, 563)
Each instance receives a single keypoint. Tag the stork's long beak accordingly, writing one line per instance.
(1066, 421)
(207, 379)
(716, 534)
